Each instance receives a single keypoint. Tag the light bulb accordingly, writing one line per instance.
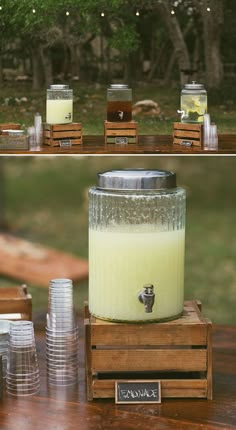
(33, 10)
(67, 13)
(102, 14)
(172, 12)
(137, 13)
(208, 9)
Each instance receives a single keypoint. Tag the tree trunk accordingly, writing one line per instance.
(177, 39)
(45, 55)
(1, 70)
(36, 68)
(212, 29)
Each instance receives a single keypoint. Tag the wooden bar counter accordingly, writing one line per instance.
(60, 409)
(161, 144)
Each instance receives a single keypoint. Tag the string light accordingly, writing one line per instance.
(0, 7)
(172, 12)
(137, 13)
(102, 14)
(208, 9)
(33, 10)
(67, 13)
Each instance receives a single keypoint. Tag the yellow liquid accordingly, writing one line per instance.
(58, 111)
(122, 260)
(194, 107)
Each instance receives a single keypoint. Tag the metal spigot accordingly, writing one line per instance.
(147, 297)
(69, 116)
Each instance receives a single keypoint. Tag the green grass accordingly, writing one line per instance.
(46, 202)
(90, 107)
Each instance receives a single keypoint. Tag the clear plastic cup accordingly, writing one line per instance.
(22, 370)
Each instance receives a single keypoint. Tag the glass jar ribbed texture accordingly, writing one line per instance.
(136, 238)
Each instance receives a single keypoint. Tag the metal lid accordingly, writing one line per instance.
(118, 87)
(136, 179)
(194, 86)
(59, 87)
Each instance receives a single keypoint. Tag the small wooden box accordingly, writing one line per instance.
(64, 135)
(121, 132)
(178, 353)
(191, 133)
(10, 126)
(16, 300)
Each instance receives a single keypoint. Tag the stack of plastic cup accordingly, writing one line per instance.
(61, 334)
(4, 339)
(22, 366)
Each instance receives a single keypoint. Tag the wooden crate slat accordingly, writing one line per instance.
(16, 300)
(66, 134)
(191, 134)
(175, 388)
(124, 334)
(149, 359)
(183, 126)
(63, 127)
(120, 132)
(120, 125)
(10, 126)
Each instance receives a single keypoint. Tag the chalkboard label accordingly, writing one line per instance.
(138, 392)
(65, 143)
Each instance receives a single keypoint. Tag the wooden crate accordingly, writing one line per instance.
(16, 300)
(64, 135)
(178, 353)
(192, 133)
(10, 126)
(121, 132)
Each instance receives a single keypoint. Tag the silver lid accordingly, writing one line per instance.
(137, 179)
(59, 87)
(118, 87)
(194, 86)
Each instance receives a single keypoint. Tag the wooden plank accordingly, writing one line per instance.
(188, 134)
(121, 132)
(209, 362)
(149, 360)
(183, 126)
(88, 361)
(170, 388)
(34, 263)
(66, 134)
(55, 142)
(10, 126)
(153, 334)
(120, 125)
(63, 127)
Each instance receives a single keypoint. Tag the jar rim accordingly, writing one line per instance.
(136, 179)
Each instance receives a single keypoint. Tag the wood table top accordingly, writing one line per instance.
(161, 144)
(69, 410)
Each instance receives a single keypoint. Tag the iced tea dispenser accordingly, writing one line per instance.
(136, 246)
(119, 103)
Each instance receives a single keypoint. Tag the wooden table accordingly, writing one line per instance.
(69, 410)
(146, 145)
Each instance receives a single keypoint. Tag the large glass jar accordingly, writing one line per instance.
(59, 109)
(193, 103)
(119, 103)
(136, 246)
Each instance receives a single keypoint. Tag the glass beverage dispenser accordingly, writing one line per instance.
(193, 103)
(136, 246)
(119, 103)
(59, 109)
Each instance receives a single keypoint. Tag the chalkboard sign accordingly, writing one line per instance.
(65, 143)
(138, 391)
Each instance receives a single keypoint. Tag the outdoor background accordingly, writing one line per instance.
(154, 45)
(46, 201)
